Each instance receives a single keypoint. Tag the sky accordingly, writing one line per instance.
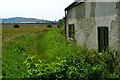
(40, 9)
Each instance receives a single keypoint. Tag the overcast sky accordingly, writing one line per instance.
(41, 9)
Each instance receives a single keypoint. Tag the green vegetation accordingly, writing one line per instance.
(14, 54)
(61, 22)
(16, 26)
(29, 25)
(65, 60)
(48, 55)
(49, 26)
(18, 44)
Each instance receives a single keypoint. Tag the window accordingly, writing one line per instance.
(102, 38)
(71, 30)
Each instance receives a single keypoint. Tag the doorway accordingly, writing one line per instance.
(103, 40)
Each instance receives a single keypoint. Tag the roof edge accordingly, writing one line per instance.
(71, 6)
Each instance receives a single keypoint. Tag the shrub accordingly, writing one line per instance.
(68, 61)
(16, 26)
(74, 68)
(59, 59)
(49, 26)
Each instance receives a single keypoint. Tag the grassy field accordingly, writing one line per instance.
(11, 32)
(29, 25)
(45, 53)
(18, 44)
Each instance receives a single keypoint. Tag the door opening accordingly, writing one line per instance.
(102, 38)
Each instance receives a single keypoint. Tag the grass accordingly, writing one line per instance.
(64, 60)
(17, 45)
(10, 32)
(46, 54)
(54, 45)
(29, 25)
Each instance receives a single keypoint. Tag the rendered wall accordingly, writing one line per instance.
(71, 18)
(118, 6)
(88, 16)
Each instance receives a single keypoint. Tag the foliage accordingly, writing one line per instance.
(50, 56)
(49, 26)
(14, 54)
(16, 26)
(65, 60)
(75, 68)
(53, 44)
(17, 45)
(61, 23)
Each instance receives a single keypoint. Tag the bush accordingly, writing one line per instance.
(74, 68)
(68, 61)
(49, 26)
(58, 59)
(16, 26)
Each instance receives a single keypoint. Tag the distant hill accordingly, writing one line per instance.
(25, 20)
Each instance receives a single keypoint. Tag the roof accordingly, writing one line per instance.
(73, 5)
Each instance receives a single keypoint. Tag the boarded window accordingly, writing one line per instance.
(71, 30)
(102, 38)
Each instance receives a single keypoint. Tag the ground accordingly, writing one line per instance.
(45, 53)
(17, 45)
